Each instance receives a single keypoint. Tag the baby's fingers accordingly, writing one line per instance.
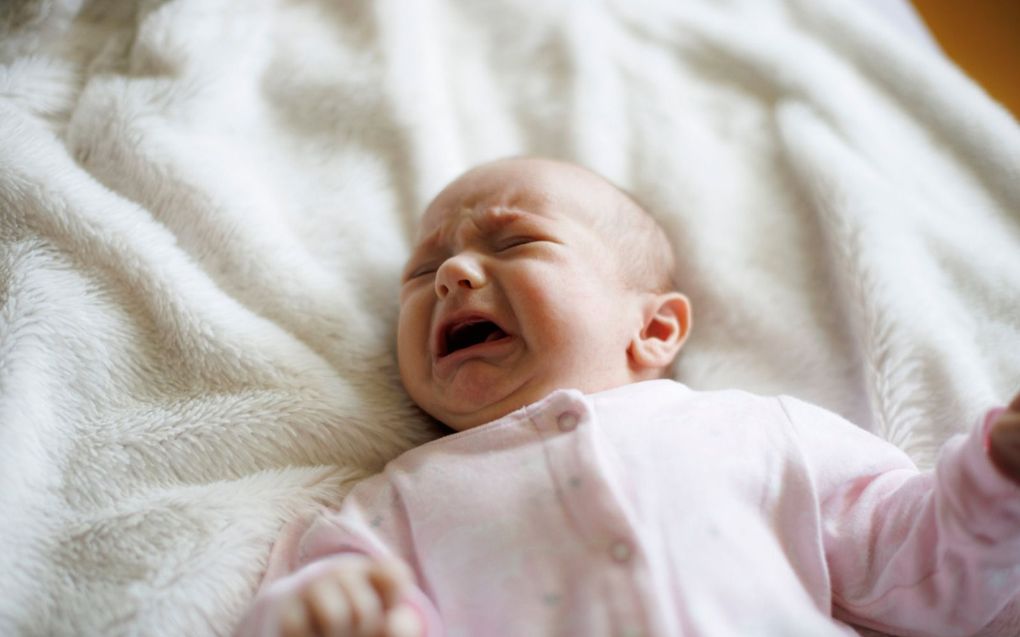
(328, 609)
(392, 580)
(294, 618)
(1004, 442)
(364, 603)
(403, 621)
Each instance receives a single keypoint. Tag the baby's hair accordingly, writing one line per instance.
(648, 251)
(645, 253)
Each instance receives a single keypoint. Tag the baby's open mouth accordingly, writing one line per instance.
(465, 334)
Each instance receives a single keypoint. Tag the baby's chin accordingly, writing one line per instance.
(463, 418)
(462, 411)
(467, 414)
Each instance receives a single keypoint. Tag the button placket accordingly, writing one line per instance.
(572, 461)
(586, 470)
(562, 424)
(621, 551)
(567, 420)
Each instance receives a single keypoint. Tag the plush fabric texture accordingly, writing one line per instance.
(205, 204)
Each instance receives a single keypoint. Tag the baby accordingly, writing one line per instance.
(585, 494)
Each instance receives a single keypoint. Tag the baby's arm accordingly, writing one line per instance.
(346, 572)
(911, 552)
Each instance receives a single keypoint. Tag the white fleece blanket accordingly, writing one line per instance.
(204, 206)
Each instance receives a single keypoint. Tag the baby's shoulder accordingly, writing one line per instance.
(663, 399)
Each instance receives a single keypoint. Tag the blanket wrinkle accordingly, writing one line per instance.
(205, 206)
(893, 372)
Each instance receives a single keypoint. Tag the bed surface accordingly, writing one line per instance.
(205, 205)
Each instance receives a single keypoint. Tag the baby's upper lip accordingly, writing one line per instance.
(460, 317)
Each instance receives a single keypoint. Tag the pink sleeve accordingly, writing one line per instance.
(921, 553)
(304, 550)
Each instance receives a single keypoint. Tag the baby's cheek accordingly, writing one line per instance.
(412, 344)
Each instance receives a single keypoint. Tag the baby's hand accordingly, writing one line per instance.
(1004, 441)
(357, 596)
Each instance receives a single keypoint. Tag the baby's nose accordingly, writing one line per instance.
(459, 272)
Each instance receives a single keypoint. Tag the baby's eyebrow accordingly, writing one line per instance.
(490, 219)
(496, 218)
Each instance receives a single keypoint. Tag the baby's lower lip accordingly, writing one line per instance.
(487, 348)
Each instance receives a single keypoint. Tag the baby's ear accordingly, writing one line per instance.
(666, 323)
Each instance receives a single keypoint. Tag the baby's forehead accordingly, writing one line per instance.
(485, 199)
(508, 191)
(436, 226)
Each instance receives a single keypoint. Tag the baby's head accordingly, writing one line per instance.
(530, 275)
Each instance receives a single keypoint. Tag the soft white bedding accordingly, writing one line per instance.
(204, 205)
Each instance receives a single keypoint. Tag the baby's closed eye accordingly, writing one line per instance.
(421, 271)
(513, 242)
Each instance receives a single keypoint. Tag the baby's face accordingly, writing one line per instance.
(510, 294)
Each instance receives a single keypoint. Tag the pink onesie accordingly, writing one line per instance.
(652, 509)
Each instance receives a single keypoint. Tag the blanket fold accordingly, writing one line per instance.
(205, 206)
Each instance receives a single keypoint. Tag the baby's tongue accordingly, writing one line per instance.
(495, 335)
